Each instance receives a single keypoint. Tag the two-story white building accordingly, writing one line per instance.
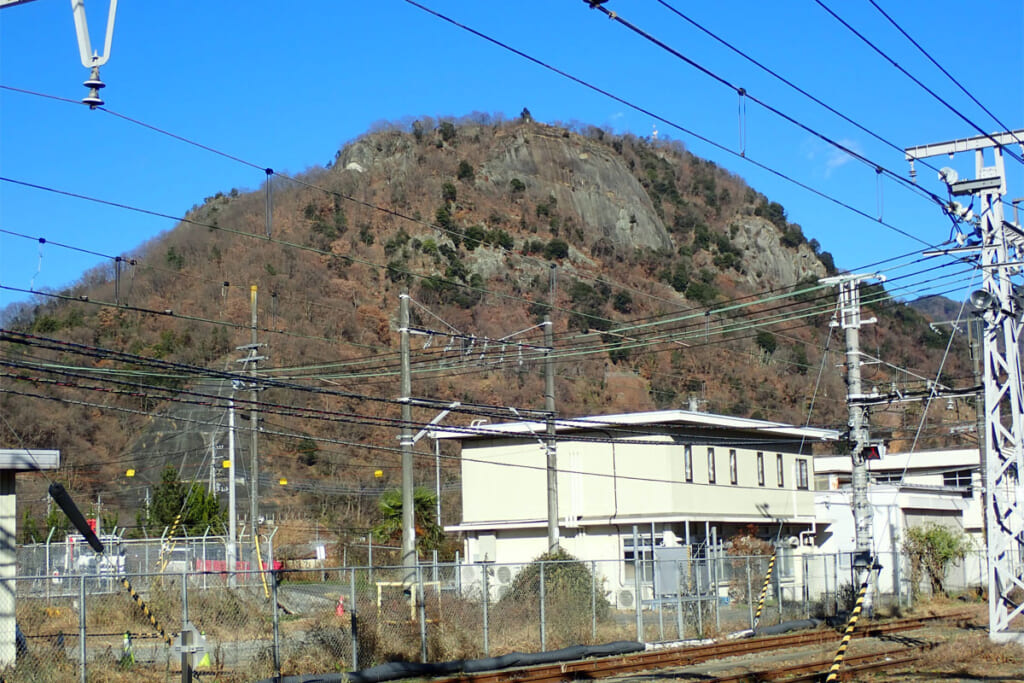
(633, 486)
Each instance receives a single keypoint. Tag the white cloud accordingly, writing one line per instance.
(826, 158)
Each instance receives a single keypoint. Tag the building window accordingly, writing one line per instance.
(779, 470)
(887, 478)
(760, 468)
(802, 480)
(711, 465)
(961, 479)
(688, 462)
(734, 475)
(643, 553)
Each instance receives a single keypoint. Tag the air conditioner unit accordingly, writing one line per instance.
(625, 598)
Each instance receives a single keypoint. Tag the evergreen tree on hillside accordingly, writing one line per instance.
(198, 508)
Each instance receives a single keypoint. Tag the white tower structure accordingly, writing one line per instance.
(1000, 256)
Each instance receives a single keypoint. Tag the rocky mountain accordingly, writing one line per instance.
(669, 281)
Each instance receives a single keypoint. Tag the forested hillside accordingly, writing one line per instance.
(669, 281)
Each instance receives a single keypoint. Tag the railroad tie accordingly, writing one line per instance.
(764, 589)
(837, 662)
(145, 609)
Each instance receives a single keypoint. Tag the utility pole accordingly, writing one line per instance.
(549, 407)
(551, 441)
(231, 552)
(408, 516)
(850, 320)
(1000, 250)
(250, 364)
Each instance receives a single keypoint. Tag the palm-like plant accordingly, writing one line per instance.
(429, 534)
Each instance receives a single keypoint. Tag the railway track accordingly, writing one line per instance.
(686, 656)
(853, 667)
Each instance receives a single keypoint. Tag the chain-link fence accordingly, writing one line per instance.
(249, 625)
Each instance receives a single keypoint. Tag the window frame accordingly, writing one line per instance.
(688, 463)
(646, 550)
(711, 466)
(760, 468)
(734, 475)
(802, 475)
(780, 470)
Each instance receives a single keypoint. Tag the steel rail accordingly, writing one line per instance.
(683, 656)
(814, 671)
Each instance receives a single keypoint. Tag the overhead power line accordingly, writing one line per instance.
(719, 146)
(941, 100)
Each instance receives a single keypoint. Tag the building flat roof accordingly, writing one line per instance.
(27, 460)
(679, 418)
(897, 462)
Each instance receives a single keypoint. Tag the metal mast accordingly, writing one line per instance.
(850, 320)
(1001, 250)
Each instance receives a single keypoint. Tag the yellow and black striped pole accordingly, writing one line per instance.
(145, 609)
(833, 673)
(164, 550)
(764, 590)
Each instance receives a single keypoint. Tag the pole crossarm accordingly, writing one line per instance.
(978, 142)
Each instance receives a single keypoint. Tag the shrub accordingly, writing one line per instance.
(623, 302)
(465, 172)
(175, 259)
(500, 238)
(556, 249)
(701, 292)
(546, 208)
(448, 192)
(474, 237)
(447, 131)
(517, 186)
(766, 341)
(429, 247)
(932, 548)
(571, 595)
(679, 278)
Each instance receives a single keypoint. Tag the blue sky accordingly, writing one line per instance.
(285, 85)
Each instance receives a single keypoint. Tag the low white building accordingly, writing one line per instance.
(636, 486)
(906, 489)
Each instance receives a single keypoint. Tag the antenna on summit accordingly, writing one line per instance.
(90, 59)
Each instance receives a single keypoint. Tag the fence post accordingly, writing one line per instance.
(81, 628)
(593, 600)
(277, 626)
(835, 578)
(700, 603)
(715, 557)
(777, 576)
(636, 587)
(804, 589)
(679, 599)
(543, 622)
(186, 632)
(354, 628)
(486, 599)
(458, 575)
(750, 594)
(422, 610)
